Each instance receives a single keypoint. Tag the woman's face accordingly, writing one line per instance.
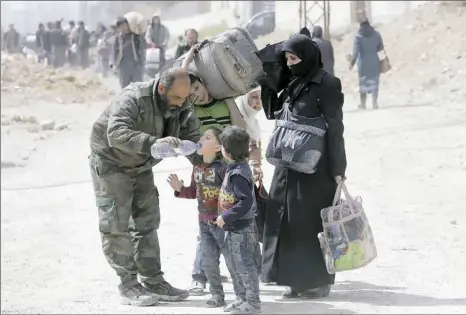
(254, 100)
(199, 94)
(291, 59)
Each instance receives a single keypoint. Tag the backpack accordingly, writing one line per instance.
(227, 64)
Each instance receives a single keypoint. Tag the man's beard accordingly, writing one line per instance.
(171, 107)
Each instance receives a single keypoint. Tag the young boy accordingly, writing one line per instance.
(206, 180)
(219, 114)
(236, 205)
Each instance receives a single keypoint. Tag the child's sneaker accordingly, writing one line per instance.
(233, 305)
(246, 308)
(216, 301)
(197, 288)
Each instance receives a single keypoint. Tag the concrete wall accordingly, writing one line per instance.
(229, 12)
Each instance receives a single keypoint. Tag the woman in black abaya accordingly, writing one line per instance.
(292, 256)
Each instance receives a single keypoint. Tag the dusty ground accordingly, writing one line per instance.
(408, 163)
(407, 160)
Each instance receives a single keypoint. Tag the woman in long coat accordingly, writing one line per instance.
(367, 45)
(291, 252)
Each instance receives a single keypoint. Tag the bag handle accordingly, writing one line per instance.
(337, 196)
(203, 43)
(341, 187)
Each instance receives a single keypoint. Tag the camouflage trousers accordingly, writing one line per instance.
(129, 216)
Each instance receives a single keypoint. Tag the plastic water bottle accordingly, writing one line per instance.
(187, 147)
(165, 150)
(162, 150)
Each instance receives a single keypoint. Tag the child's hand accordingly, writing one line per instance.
(174, 182)
(220, 221)
(257, 172)
(194, 50)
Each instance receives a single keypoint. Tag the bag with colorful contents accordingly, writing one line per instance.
(347, 242)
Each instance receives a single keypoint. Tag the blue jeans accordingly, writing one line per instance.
(240, 252)
(212, 244)
(198, 273)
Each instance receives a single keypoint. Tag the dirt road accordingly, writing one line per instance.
(408, 163)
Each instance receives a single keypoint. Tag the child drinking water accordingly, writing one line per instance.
(220, 113)
(236, 205)
(207, 178)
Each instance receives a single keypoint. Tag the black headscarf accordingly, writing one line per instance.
(309, 53)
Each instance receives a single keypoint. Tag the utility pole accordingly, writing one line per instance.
(313, 13)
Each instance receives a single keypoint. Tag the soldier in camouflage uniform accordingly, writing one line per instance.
(121, 164)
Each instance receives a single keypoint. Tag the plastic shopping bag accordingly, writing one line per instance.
(347, 242)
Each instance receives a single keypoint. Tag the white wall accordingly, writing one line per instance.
(182, 9)
(220, 12)
(242, 9)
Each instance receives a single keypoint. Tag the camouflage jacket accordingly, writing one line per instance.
(134, 120)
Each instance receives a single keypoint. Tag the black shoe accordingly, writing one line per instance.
(290, 293)
(166, 292)
(318, 293)
(137, 296)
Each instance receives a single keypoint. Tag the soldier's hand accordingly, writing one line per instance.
(175, 182)
(172, 141)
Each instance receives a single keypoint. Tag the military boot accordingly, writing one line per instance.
(137, 296)
(166, 292)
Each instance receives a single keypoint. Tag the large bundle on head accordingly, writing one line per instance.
(136, 22)
(227, 64)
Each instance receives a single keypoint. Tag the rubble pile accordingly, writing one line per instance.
(427, 51)
(24, 76)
